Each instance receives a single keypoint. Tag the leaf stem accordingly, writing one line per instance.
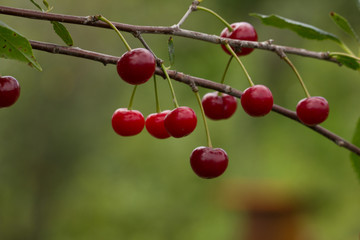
(241, 64)
(132, 97)
(287, 60)
(170, 85)
(344, 54)
(216, 15)
(203, 117)
(346, 48)
(102, 18)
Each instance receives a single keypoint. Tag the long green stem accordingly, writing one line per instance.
(132, 97)
(344, 54)
(170, 85)
(102, 18)
(158, 110)
(216, 15)
(241, 64)
(298, 76)
(204, 119)
(226, 69)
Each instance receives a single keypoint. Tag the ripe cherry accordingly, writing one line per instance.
(312, 110)
(136, 66)
(241, 31)
(180, 122)
(217, 106)
(127, 122)
(9, 91)
(257, 100)
(208, 162)
(154, 124)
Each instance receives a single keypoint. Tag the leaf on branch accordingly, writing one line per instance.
(63, 33)
(14, 46)
(347, 61)
(344, 25)
(355, 159)
(302, 29)
(171, 49)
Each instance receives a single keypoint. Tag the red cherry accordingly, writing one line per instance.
(127, 122)
(208, 162)
(180, 122)
(217, 106)
(9, 91)
(257, 100)
(241, 31)
(136, 66)
(312, 110)
(154, 124)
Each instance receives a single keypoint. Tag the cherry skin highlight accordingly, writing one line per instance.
(180, 122)
(217, 106)
(136, 66)
(257, 100)
(154, 124)
(9, 91)
(208, 162)
(127, 122)
(241, 31)
(313, 110)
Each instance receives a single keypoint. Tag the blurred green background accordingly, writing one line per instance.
(64, 173)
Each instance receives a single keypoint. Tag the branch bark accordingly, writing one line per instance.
(187, 79)
(172, 30)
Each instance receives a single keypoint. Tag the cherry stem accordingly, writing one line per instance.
(196, 91)
(132, 97)
(102, 18)
(226, 69)
(158, 110)
(241, 64)
(216, 15)
(298, 76)
(170, 85)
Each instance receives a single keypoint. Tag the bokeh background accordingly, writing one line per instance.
(64, 173)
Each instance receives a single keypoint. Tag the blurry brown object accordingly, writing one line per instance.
(269, 211)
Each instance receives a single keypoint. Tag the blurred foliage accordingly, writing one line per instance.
(64, 174)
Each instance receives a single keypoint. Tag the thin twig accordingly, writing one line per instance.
(173, 30)
(190, 80)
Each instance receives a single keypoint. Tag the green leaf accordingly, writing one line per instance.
(63, 33)
(171, 50)
(14, 46)
(347, 60)
(355, 159)
(302, 29)
(46, 4)
(344, 25)
(36, 5)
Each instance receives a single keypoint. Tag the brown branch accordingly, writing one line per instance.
(187, 79)
(173, 30)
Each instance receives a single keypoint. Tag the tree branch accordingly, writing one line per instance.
(173, 30)
(187, 79)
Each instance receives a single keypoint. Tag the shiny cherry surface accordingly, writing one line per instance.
(257, 100)
(217, 106)
(312, 111)
(209, 162)
(241, 31)
(127, 122)
(9, 91)
(154, 124)
(136, 66)
(180, 122)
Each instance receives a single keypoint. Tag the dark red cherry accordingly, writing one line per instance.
(9, 91)
(127, 122)
(312, 110)
(257, 100)
(136, 66)
(241, 31)
(180, 122)
(217, 106)
(208, 162)
(154, 124)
